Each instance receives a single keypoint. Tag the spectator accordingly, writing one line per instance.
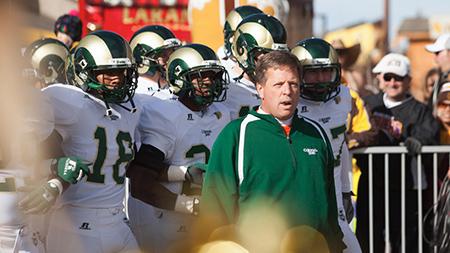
(426, 90)
(350, 75)
(400, 118)
(68, 29)
(443, 114)
(273, 161)
(441, 50)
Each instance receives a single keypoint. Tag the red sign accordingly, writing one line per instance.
(127, 20)
(138, 3)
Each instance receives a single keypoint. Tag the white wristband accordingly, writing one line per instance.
(186, 204)
(176, 173)
(58, 185)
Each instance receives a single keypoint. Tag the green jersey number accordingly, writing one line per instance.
(198, 149)
(335, 132)
(123, 140)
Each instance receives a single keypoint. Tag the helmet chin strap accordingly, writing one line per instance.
(109, 112)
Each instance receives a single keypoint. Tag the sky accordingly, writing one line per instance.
(341, 13)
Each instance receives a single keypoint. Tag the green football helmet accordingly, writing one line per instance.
(233, 19)
(47, 59)
(102, 51)
(150, 42)
(256, 34)
(195, 62)
(317, 55)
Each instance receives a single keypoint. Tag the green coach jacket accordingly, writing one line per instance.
(253, 160)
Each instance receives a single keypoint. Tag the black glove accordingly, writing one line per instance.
(39, 200)
(348, 206)
(413, 145)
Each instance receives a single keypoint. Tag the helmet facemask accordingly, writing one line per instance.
(228, 39)
(148, 57)
(205, 85)
(118, 93)
(320, 82)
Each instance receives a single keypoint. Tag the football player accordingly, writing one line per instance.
(151, 47)
(255, 35)
(94, 125)
(233, 19)
(324, 99)
(48, 59)
(177, 136)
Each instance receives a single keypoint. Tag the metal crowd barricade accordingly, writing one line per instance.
(370, 151)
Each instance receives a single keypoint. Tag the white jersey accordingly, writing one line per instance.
(184, 136)
(149, 87)
(332, 116)
(146, 86)
(104, 141)
(241, 97)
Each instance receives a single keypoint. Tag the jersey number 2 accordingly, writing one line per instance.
(122, 139)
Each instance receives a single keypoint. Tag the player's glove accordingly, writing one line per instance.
(348, 206)
(70, 169)
(413, 145)
(195, 173)
(187, 204)
(39, 200)
(192, 173)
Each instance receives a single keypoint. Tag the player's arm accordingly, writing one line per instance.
(146, 173)
(152, 158)
(64, 171)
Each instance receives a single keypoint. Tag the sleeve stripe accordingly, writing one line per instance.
(249, 118)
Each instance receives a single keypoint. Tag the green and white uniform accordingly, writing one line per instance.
(241, 97)
(253, 160)
(184, 137)
(147, 86)
(88, 216)
(332, 116)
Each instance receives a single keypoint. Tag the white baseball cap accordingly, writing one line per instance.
(444, 93)
(393, 63)
(441, 43)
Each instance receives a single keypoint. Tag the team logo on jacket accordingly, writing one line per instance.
(304, 109)
(310, 151)
(189, 116)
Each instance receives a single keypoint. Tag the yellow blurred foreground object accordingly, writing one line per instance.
(222, 247)
(304, 239)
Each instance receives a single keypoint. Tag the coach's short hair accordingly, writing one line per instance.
(275, 59)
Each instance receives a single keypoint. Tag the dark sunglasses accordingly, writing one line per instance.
(388, 77)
